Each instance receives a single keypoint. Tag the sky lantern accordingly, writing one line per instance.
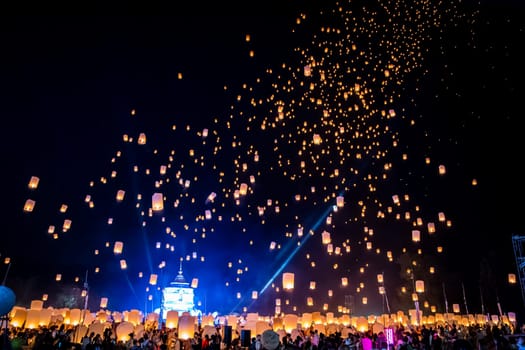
(186, 327)
(254, 294)
(153, 279)
(420, 286)
(194, 283)
(157, 201)
(290, 322)
(512, 278)
(431, 228)
(123, 264)
(416, 237)
(312, 285)
(317, 139)
(33, 183)
(142, 139)
(58, 277)
(120, 195)
(340, 201)
(326, 237)
(307, 70)
(63, 208)
(103, 303)
(67, 225)
(288, 280)
(344, 281)
(117, 248)
(380, 278)
(442, 170)
(455, 308)
(172, 319)
(29, 205)
(243, 189)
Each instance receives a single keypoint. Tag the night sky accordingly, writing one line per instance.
(236, 96)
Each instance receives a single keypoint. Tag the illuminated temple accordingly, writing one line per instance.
(178, 295)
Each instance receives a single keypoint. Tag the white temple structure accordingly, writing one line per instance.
(178, 295)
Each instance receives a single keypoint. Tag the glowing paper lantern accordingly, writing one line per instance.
(120, 195)
(32, 319)
(416, 236)
(326, 237)
(117, 248)
(340, 201)
(157, 202)
(142, 139)
(288, 280)
(307, 71)
(29, 205)
(442, 170)
(290, 322)
(344, 281)
(123, 330)
(153, 279)
(103, 303)
(123, 264)
(67, 225)
(194, 283)
(380, 278)
(512, 278)
(36, 305)
(33, 182)
(172, 319)
(420, 286)
(455, 308)
(186, 327)
(312, 285)
(254, 294)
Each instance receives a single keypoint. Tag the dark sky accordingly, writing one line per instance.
(69, 84)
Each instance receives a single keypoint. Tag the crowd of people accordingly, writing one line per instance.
(425, 337)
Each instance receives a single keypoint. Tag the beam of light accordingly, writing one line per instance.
(321, 219)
